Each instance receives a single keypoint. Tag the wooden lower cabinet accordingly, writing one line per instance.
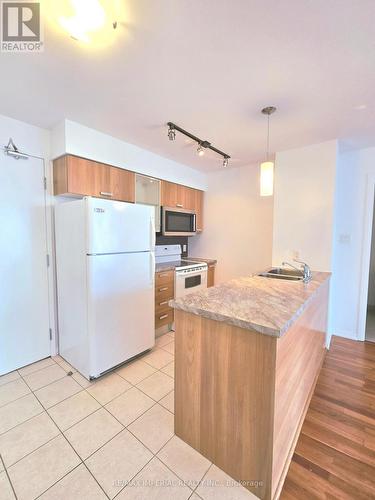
(211, 275)
(74, 176)
(164, 292)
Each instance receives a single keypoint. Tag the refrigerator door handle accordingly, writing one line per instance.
(152, 233)
(152, 268)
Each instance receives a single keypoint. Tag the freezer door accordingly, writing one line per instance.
(120, 308)
(115, 227)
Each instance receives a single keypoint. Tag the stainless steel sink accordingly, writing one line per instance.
(281, 273)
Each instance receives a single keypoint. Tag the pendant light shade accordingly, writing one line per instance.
(267, 167)
(266, 178)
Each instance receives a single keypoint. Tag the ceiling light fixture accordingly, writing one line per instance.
(202, 145)
(267, 167)
(88, 17)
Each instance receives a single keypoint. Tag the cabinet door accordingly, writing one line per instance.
(122, 184)
(211, 275)
(199, 208)
(169, 194)
(185, 197)
(102, 174)
(81, 176)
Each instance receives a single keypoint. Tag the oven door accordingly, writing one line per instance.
(190, 282)
(178, 222)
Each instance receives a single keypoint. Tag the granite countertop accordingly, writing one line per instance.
(266, 305)
(210, 262)
(166, 266)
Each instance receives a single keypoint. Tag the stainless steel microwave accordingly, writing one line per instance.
(178, 222)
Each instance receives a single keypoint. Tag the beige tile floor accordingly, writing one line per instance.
(63, 437)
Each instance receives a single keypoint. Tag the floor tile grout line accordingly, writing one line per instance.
(61, 478)
(44, 407)
(30, 418)
(35, 449)
(82, 461)
(174, 472)
(7, 475)
(38, 369)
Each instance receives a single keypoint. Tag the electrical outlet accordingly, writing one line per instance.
(296, 254)
(184, 248)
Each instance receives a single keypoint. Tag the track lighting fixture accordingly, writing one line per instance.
(171, 133)
(202, 145)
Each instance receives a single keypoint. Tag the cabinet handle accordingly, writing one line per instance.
(163, 303)
(164, 289)
(164, 316)
(163, 275)
(104, 193)
(179, 205)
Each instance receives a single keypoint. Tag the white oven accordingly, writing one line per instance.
(189, 280)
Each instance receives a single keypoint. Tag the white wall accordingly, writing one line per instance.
(353, 170)
(71, 137)
(237, 224)
(371, 284)
(304, 205)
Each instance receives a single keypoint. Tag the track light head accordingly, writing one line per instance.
(200, 150)
(225, 161)
(171, 133)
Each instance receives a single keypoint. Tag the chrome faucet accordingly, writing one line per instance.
(305, 269)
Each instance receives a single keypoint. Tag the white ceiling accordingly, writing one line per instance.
(209, 66)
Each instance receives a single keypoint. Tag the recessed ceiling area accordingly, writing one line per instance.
(210, 67)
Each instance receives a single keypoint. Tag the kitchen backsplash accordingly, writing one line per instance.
(174, 240)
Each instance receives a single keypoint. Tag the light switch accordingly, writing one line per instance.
(184, 248)
(344, 238)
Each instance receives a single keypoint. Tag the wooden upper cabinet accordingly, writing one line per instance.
(199, 208)
(176, 195)
(169, 197)
(122, 184)
(80, 177)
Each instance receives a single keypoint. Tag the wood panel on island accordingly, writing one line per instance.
(75, 176)
(164, 292)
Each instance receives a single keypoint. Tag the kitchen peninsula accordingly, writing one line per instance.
(247, 356)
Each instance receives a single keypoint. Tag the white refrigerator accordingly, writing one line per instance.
(105, 280)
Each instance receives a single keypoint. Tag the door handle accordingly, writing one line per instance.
(105, 193)
(152, 268)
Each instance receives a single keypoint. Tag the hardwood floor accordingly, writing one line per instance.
(335, 453)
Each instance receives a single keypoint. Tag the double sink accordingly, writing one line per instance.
(281, 273)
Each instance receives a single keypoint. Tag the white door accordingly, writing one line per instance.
(120, 308)
(115, 226)
(24, 306)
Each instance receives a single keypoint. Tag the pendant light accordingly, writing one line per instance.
(267, 167)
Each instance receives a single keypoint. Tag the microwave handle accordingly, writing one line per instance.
(195, 223)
